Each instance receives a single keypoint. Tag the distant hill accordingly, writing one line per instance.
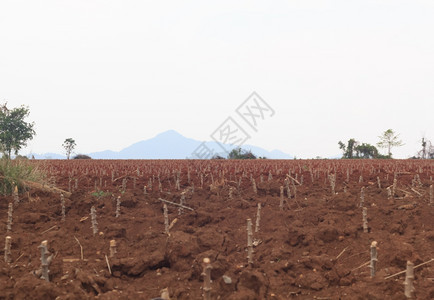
(168, 145)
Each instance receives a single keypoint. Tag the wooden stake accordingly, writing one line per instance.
(365, 219)
(62, 204)
(207, 280)
(112, 248)
(415, 267)
(8, 244)
(431, 196)
(93, 220)
(10, 212)
(44, 260)
(166, 219)
(258, 218)
(373, 258)
(249, 242)
(118, 207)
(409, 277)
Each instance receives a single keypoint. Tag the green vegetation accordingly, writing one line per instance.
(14, 131)
(69, 145)
(16, 173)
(100, 194)
(388, 140)
(239, 153)
(14, 134)
(355, 149)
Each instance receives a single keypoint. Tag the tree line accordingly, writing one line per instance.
(15, 132)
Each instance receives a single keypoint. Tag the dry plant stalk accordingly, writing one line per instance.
(230, 193)
(118, 207)
(93, 220)
(431, 196)
(409, 277)
(394, 186)
(165, 294)
(373, 258)
(255, 190)
(365, 219)
(166, 219)
(389, 193)
(362, 196)
(178, 186)
(332, 179)
(150, 184)
(8, 243)
(81, 248)
(295, 189)
(144, 190)
(45, 261)
(181, 201)
(207, 279)
(249, 242)
(281, 198)
(360, 179)
(379, 182)
(113, 250)
(108, 264)
(10, 212)
(124, 185)
(258, 218)
(62, 203)
(15, 195)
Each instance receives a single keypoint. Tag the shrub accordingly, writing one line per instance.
(82, 156)
(15, 172)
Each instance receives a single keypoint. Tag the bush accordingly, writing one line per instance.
(82, 156)
(239, 153)
(15, 172)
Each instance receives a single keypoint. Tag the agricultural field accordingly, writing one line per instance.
(308, 241)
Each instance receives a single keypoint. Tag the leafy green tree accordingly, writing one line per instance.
(14, 131)
(388, 140)
(366, 151)
(69, 145)
(348, 149)
(355, 149)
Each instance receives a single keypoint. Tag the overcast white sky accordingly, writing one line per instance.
(112, 73)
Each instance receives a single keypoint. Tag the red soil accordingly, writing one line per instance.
(312, 249)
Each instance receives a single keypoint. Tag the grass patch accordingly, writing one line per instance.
(15, 173)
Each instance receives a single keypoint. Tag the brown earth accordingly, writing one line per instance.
(315, 248)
